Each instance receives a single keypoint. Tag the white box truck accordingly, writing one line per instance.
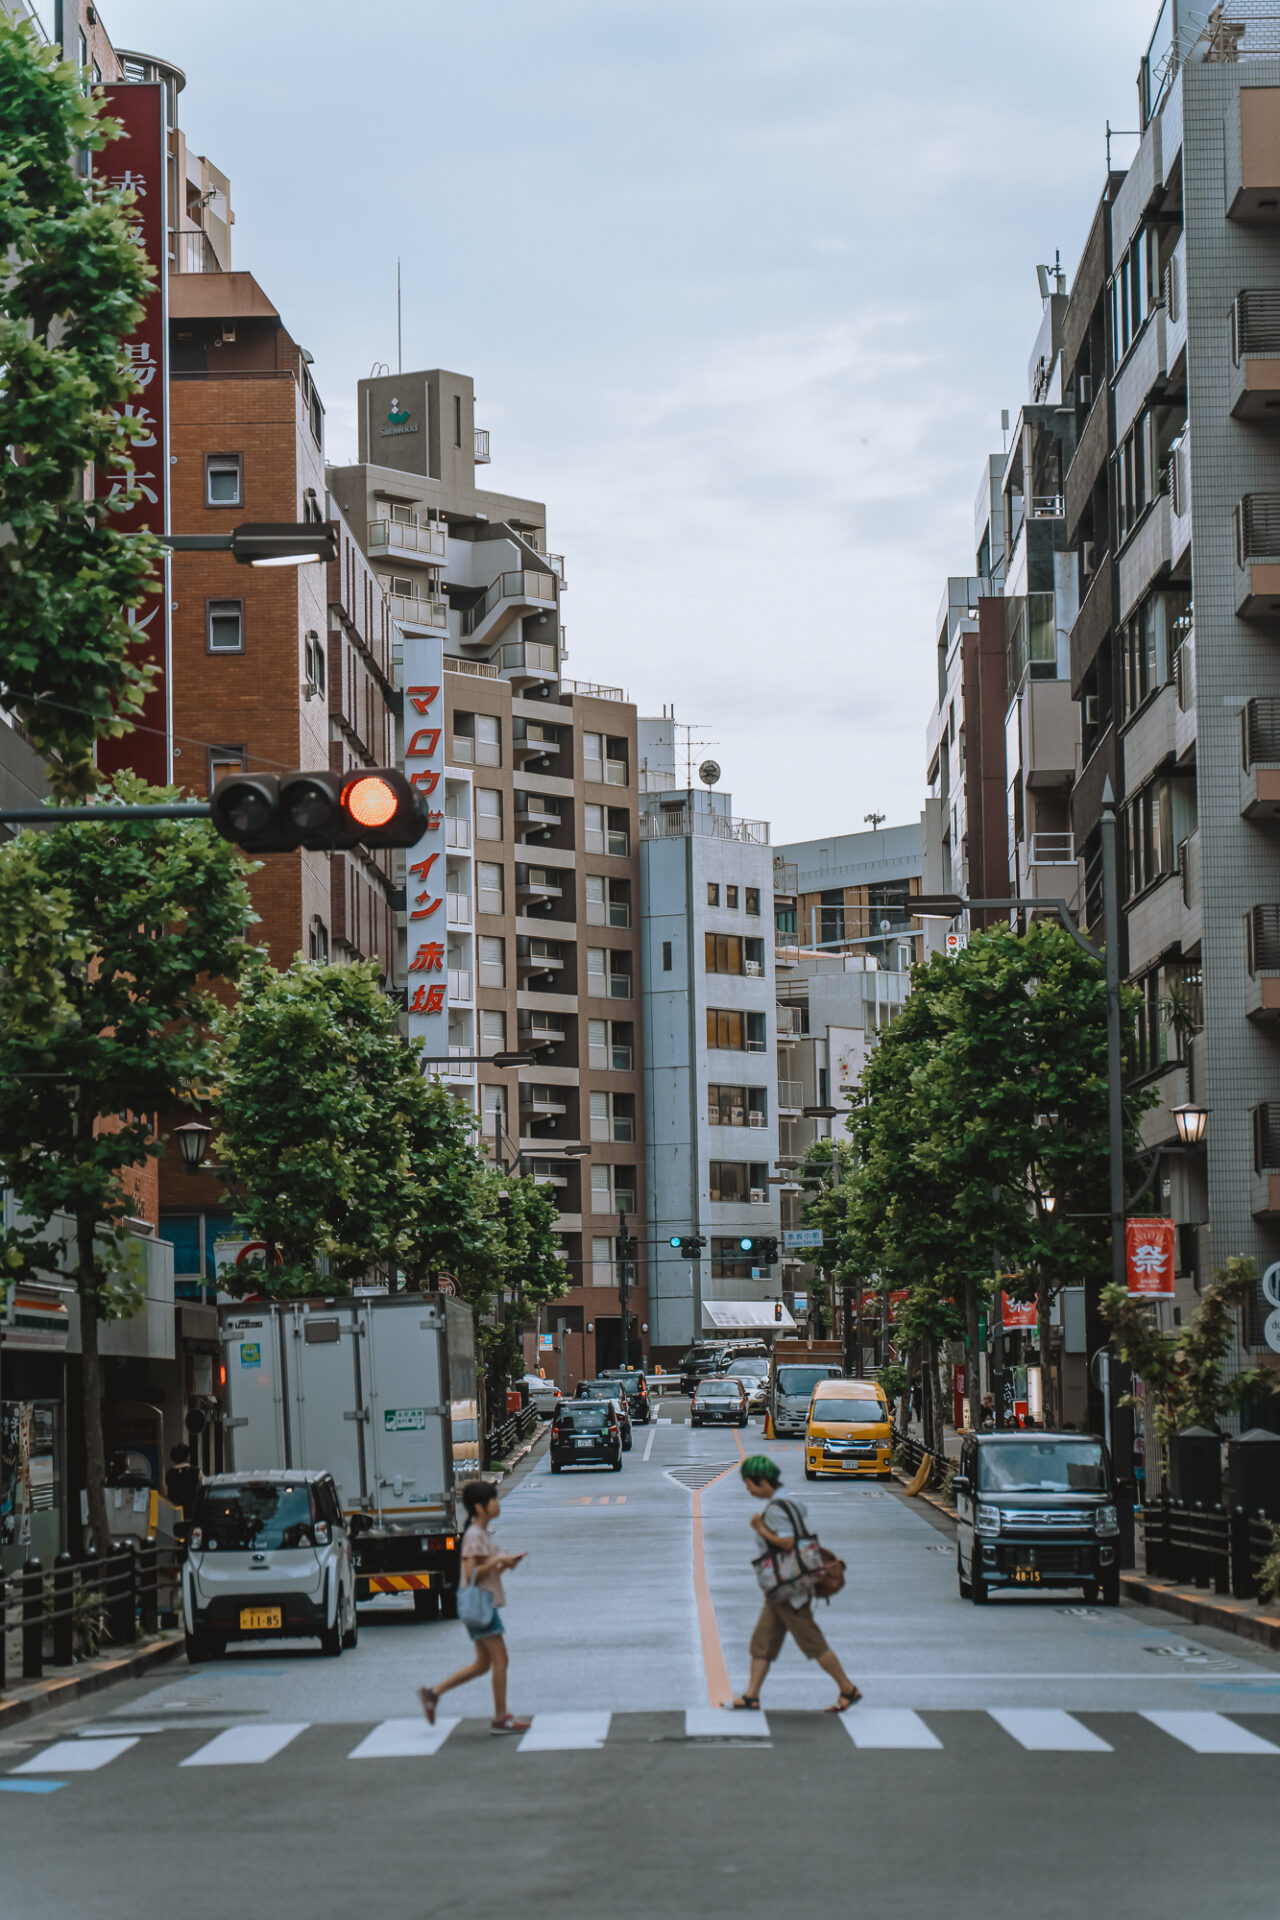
(381, 1391)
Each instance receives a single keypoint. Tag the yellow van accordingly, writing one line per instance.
(847, 1429)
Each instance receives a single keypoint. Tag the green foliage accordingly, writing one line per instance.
(895, 1382)
(130, 919)
(73, 290)
(1182, 1370)
(1269, 1571)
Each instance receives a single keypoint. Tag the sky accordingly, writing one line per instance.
(743, 288)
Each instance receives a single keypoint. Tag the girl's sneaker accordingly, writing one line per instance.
(510, 1725)
(430, 1701)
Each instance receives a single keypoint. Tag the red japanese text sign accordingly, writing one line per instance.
(1015, 1314)
(1149, 1258)
(426, 904)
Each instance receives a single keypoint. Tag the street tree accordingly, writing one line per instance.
(109, 937)
(72, 290)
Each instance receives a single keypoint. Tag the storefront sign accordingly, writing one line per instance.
(1016, 1314)
(426, 907)
(1149, 1259)
(138, 161)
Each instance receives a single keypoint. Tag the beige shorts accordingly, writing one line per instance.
(776, 1621)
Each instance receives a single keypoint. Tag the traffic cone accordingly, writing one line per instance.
(768, 1425)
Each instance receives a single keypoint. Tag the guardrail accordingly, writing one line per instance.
(106, 1600)
(500, 1442)
(916, 1454)
(1199, 1546)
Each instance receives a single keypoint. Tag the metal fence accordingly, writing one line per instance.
(105, 1600)
(915, 1454)
(501, 1442)
(1199, 1546)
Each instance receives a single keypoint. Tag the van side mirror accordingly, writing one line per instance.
(960, 1483)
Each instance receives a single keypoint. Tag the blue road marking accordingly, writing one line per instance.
(31, 1786)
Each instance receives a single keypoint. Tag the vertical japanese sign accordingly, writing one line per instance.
(1148, 1259)
(139, 160)
(426, 907)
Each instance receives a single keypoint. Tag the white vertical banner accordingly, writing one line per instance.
(426, 907)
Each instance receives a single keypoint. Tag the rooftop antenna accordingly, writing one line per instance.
(873, 819)
(1004, 429)
(689, 745)
(399, 335)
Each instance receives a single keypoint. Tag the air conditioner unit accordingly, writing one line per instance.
(758, 1196)
(757, 1119)
(1089, 555)
(754, 969)
(1091, 708)
(1084, 389)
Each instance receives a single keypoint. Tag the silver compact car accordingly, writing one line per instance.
(268, 1557)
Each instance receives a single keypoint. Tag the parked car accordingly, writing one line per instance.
(636, 1388)
(268, 1554)
(585, 1433)
(544, 1395)
(1036, 1510)
(609, 1390)
(720, 1402)
(753, 1371)
(699, 1364)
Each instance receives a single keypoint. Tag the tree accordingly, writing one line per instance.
(73, 289)
(450, 1221)
(527, 1264)
(1182, 1370)
(108, 938)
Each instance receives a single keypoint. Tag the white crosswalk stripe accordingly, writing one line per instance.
(403, 1739)
(246, 1746)
(881, 1727)
(76, 1756)
(565, 1732)
(1048, 1730)
(719, 1723)
(1209, 1733)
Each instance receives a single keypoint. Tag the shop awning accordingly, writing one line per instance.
(745, 1316)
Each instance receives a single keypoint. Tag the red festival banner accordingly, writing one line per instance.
(1149, 1258)
(1015, 1314)
(138, 161)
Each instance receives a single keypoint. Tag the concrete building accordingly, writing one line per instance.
(541, 836)
(711, 1100)
(853, 891)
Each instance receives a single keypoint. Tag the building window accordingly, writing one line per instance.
(734, 1032)
(492, 961)
(602, 1189)
(224, 626)
(314, 655)
(608, 973)
(457, 419)
(489, 882)
(488, 813)
(666, 956)
(223, 480)
(603, 1271)
(737, 1106)
(493, 1031)
(723, 952)
(713, 893)
(1158, 820)
(731, 896)
(477, 740)
(728, 1261)
(493, 1102)
(318, 943)
(611, 1045)
(617, 832)
(739, 1182)
(613, 1116)
(608, 901)
(593, 756)
(753, 902)
(223, 761)
(604, 758)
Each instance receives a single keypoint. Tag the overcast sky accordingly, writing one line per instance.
(743, 288)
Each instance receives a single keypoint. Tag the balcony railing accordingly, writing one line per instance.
(790, 1096)
(457, 833)
(480, 668)
(428, 539)
(590, 689)
(459, 983)
(1258, 527)
(192, 252)
(1260, 723)
(535, 657)
(786, 876)
(1184, 675)
(1255, 324)
(523, 584)
(1046, 506)
(411, 611)
(481, 446)
(682, 824)
(459, 909)
(1053, 849)
(1262, 939)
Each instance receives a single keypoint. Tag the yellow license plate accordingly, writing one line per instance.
(259, 1618)
(1027, 1576)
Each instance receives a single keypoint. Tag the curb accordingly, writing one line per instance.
(49, 1694)
(929, 1499)
(1188, 1604)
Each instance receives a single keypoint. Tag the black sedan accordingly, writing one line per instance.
(585, 1433)
(636, 1387)
(609, 1390)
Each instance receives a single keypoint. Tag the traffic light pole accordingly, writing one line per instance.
(624, 1283)
(59, 816)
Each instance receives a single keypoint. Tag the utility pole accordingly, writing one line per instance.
(625, 1245)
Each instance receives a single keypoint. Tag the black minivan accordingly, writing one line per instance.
(585, 1433)
(1036, 1510)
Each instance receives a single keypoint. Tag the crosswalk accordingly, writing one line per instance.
(867, 1729)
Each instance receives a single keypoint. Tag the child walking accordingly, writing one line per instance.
(482, 1566)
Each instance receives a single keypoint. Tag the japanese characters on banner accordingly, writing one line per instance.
(138, 161)
(426, 912)
(1016, 1314)
(1149, 1258)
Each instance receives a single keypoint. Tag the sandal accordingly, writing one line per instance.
(430, 1701)
(748, 1702)
(846, 1700)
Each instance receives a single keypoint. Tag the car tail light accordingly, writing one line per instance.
(195, 1537)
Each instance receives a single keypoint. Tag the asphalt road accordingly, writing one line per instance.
(1033, 1757)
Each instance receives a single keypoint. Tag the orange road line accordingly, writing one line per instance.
(719, 1692)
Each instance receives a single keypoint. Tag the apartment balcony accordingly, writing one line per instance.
(507, 598)
(1052, 850)
(1255, 357)
(192, 251)
(1251, 133)
(1265, 1198)
(1155, 923)
(1158, 1128)
(791, 1098)
(534, 813)
(458, 909)
(425, 541)
(418, 615)
(479, 668)
(1262, 957)
(481, 446)
(1260, 781)
(534, 743)
(541, 1030)
(792, 1025)
(537, 886)
(1257, 531)
(539, 957)
(525, 662)
(546, 1102)
(1087, 464)
(1148, 554)
(457, 833)
(460, 984)
(1150, 739)
(1191, 874)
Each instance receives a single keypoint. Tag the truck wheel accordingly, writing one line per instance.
(449, 1604)
(1109, 1588)
(426, 1605)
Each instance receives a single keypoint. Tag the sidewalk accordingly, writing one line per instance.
(24, 1698)
(1205, 1608)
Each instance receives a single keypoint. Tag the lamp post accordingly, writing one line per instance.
(193, 1139)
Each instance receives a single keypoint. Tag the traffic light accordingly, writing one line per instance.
(276, 812)
(777, 1310)
(689, 1244)
(763, 1249)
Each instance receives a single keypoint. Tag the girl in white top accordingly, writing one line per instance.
(482, 1566)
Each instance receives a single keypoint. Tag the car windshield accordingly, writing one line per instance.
(591, 1419)
(598, 1390)
(258, 1516)
(1043, 1466)
(832, 1412)
(720, 1390)
(794, 1381)
(749, 1369)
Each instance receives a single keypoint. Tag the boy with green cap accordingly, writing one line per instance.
(778, 1618)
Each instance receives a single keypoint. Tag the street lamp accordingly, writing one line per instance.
(1190, 1121)
(819, 1113)
(193, 1139)
(287, 543)
(1049, 1201)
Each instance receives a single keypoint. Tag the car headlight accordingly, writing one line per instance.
(986, 1520)
(1105, 1520)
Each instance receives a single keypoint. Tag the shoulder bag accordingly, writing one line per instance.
(476, 1606)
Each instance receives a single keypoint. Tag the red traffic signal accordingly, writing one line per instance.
(777, 1309)
(277, 812)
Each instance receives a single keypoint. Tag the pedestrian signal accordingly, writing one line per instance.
(278, 812)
